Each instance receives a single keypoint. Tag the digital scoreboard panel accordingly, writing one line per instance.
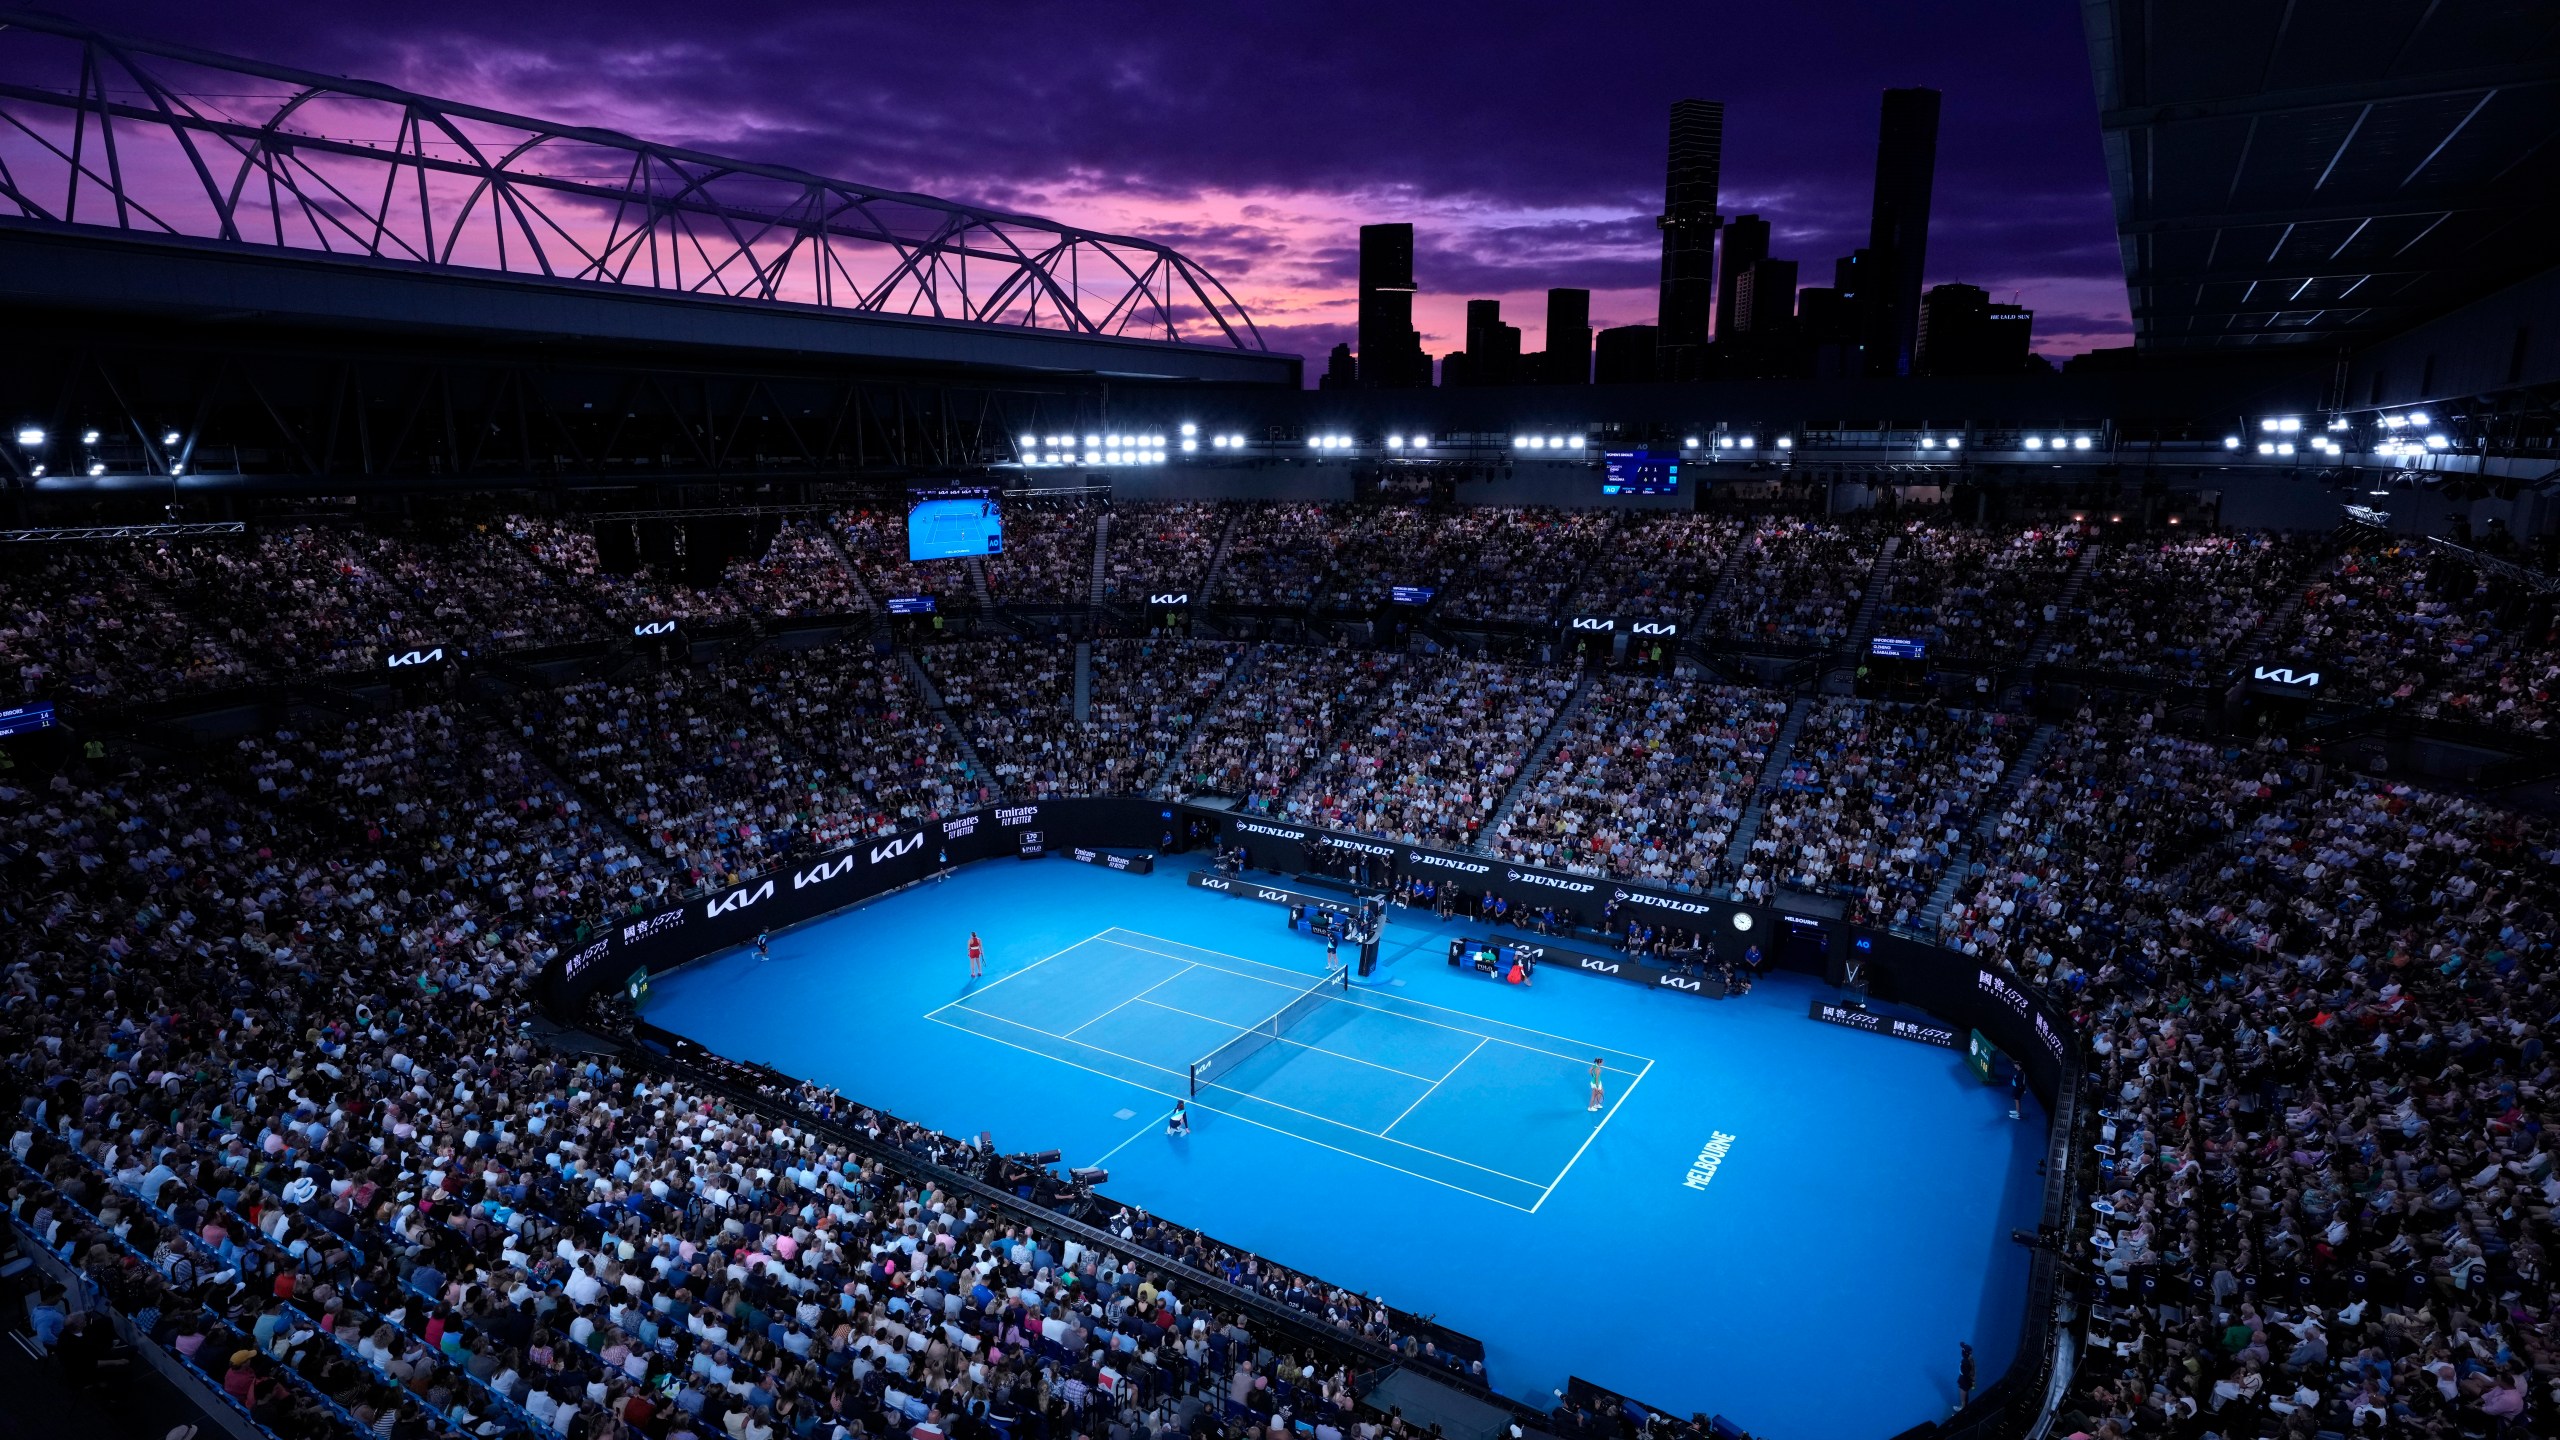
(1640, 472)
(950, 526)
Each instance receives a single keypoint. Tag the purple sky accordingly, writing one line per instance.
(1525, 141)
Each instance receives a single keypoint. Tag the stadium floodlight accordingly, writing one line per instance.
(2035, 442)
(2284, 447)
(2338, 423)
(1576, 443)
(2230, 442)
(177, 470)
(37, 472)
(1689, 444)
(1030, 442)
(2267, 427)
(1190, 444)
(1093, 457)
(1952, 443)
(1724, 442)
(97, 468)
(1748, 442)
(2290, 426)
(1395, 442)
(2395, 422)
(171, 438)
(88, 437)
(30, 436)
(1788, 442)
(2418, 417)
(2266, 447)
(1190, 429)
(1555, 442)
(1537, 442)
(1092, 441)
(2081, 443)
(2437, 442)
(1928, 442)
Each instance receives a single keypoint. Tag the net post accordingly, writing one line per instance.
(1195, 1079)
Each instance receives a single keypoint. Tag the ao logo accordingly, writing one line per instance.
(896, 848)
(819, 874)
(2288, 676)
(736, 900)
(417, 657)
(655, 627)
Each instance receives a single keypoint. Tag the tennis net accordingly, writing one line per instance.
(1209, 1068)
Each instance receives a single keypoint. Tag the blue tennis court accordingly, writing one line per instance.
(1424, 1135)
(1394, 1081)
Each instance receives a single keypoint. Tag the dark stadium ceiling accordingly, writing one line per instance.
(2291, 172)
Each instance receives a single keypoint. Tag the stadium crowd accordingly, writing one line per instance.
(1796, 582)
(2176, 607)
(1646, 783)
(1873, 801)
(263, 1011)
(281, 1111)
(1434, 757)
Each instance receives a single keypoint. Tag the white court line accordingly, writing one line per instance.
(1595, 1134)
(1283, 1039)
(1025, 970)
(1425, 1095)
(1399, 999)
(1132, 1140)
(1187, 968)
(1259, 1099)
(1390, 1014)
(1247, 1119)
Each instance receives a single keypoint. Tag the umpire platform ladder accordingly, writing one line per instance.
(932, 698)
(1994, 810)
(1781, 750)
(1539, 754)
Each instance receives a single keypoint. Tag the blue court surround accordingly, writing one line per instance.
(1426, 1137)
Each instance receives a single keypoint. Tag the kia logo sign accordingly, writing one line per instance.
(655, 627)
(736, 900)
(2286, 676)
(1206, 883)
(816, 874)
(896, 848)
(416, 657)
(1585, 622)
(1604, 967)
(1655, 627)
(1170, 597)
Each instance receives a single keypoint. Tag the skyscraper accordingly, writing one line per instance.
(1688, 222)
(1492, 356)
(1746, 241)
(1898, 232)
(1567, 360)
(1963, 331)
(1391, 355)
(1625, 355)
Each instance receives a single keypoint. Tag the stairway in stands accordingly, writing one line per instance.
(1083, 703)
(2030, 758)
(1538, 755)
(1101, 553)
(853, 572)
(1781, 750)
(976, 565)
(1842, 678)
(1217, 562)
(978, 771)
(2013, 691)
(1236, 677)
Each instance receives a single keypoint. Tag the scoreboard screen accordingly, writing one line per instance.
(1640, 472)
(954, 529)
